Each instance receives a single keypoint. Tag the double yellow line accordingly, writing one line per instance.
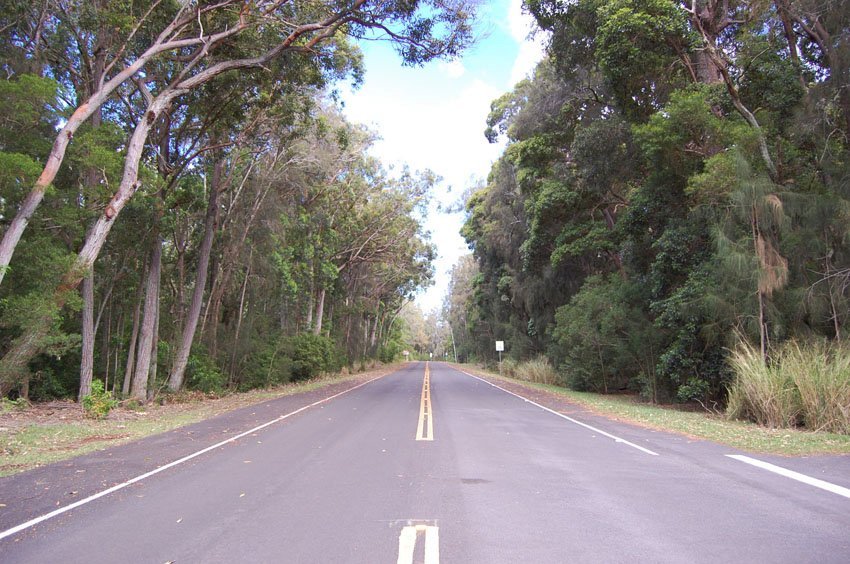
(425, 428)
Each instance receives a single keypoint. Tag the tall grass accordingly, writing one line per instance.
(821, 372)
(761, 391)
(539, 371)
(805, 384)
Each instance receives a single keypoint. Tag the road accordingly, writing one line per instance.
(430, 464)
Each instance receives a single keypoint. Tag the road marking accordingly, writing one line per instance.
(407, 543)
(562, 416)
(425, 428)
(840, 490)
(61, 510)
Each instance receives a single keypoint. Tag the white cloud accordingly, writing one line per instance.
(434, 117)
(444, 133)
(532, 46)
(453, 69)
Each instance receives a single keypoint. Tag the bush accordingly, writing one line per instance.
(509, 367)
(203, 375)
(389, 352)
(312, 355)
(99, 402)
(603, 340)
(267, 368)
(7, 405)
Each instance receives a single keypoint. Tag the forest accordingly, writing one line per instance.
(671, 213)
(183, 204)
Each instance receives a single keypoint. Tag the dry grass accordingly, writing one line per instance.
(821, 373)
(539, 371)
(762, 392)
(805, 384)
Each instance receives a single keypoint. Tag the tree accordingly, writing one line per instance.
(421, 32)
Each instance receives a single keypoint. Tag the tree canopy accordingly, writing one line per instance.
(675, 181)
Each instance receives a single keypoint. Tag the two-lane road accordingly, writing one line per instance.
(431, 464)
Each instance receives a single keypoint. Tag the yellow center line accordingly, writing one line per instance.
(425, 428)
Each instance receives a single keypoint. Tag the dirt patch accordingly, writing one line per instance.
(90, 440)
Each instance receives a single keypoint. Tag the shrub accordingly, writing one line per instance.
(760, 391)
(312, 355)
(99, 402)
(509, 367)
(203, 375)
(7, 405)
(389, 352)
(265, 366)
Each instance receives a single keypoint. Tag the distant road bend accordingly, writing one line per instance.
(429, 464)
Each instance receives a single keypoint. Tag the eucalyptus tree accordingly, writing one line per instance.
(210, 40)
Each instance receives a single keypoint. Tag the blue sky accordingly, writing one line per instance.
(433, 117)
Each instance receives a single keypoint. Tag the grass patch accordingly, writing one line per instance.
(35, 443)
(806, 384)
(701, 425)
(538, 371)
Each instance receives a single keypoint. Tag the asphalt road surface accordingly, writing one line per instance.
(430, 464)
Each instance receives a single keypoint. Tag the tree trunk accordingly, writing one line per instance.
(154, 348)
(373, 335)
(175, 379)
(320, 310)
(14, 364)
(146, 337)
(239, 319)
(706, 69)
(131, 349)
(762, 322)
(87, 361)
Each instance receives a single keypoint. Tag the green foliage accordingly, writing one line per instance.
(635, 44)
(312, 355)
(390, 351)
(267, 366)
(668, 184)
(99, 403)
(203, 375)
(19, 404)
(602, 339)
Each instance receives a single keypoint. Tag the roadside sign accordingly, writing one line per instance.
(500, 346)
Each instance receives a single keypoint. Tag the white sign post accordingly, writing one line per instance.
(500, 347)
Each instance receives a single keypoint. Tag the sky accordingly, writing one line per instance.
(433, 117)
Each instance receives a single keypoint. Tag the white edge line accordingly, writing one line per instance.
(562, 416)
(406, 545)
(833, 488)
(115, 488)
(432, 545)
